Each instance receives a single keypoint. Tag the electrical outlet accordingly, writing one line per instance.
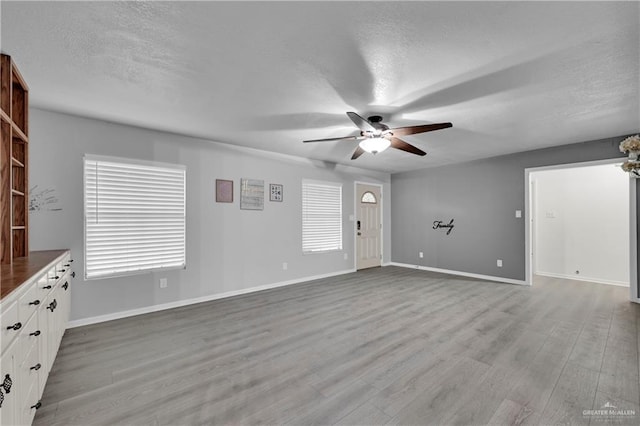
(285, 266)
(518, 213)
(163, 283)
(346, 256)
(499, 263)
(421, 255)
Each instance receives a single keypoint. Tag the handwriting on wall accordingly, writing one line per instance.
(439, 224)
(43, 200)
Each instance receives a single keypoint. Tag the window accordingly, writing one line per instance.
(368, 198)
(134, 216)
(321, 216)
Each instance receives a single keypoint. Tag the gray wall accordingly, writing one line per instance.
(228, 249)
(482, 196)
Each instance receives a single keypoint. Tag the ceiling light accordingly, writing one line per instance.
(375, 145)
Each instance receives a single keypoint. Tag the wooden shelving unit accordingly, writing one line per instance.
(14, 160)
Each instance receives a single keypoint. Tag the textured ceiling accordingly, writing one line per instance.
(511, 76)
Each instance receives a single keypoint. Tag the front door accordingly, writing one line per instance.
(368, 226)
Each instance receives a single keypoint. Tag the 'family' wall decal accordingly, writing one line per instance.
(438, 224)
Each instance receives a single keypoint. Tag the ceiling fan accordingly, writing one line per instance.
(375, 136)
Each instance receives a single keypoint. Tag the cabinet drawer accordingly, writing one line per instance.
(10, 324)
(63, 267)
(45, 286)
(30, 334)
(31, 404)
(28, 303)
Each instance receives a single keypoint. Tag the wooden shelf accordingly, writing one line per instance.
(14, 162)
(17, 132)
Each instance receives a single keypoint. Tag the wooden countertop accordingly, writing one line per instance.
(23, 268)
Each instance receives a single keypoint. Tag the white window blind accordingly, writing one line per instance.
(321, 216)
(134, 217)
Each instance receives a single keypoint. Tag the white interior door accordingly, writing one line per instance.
(368, 226)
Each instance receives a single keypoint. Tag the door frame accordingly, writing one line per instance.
(633, 220)
(355, 220)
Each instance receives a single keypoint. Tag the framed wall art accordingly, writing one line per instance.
(224, 191)
(275, 192)
(251, 194)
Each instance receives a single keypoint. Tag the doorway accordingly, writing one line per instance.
(579, 223)
(368, 225)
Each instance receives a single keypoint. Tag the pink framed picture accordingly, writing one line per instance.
(224, 191)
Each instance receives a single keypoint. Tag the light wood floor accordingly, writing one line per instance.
(381, 346)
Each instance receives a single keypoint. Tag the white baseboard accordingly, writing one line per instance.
(208, 298)
(462, 274)
(582, 278)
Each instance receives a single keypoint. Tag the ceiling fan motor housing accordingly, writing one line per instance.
(376, 123)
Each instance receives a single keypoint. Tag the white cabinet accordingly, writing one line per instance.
(33, 314)
(8, 392)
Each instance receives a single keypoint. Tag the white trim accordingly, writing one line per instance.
(633, 218)
(355, 215)
(134, 161)
(322, 182)
(582, 278)
(634, 280)
(578, 165)
(528, 245)
(208, 298)
(460, 273)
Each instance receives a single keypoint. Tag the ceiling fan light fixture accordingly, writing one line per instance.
(375, 145)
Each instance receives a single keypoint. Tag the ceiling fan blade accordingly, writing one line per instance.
(345, 138)
(362, 123)
(357, 153)
(412, 130)
(403, 146)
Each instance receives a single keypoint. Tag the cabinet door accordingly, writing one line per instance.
(65, 310)
(58, 314)
(47, 327)
(29, 378)
(9, 411)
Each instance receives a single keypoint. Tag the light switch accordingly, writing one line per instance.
(518, 213)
